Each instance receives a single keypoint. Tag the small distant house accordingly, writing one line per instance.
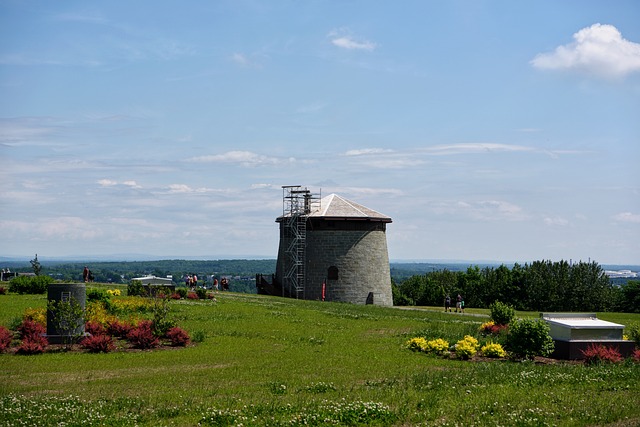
(153, 280)
(152, 284)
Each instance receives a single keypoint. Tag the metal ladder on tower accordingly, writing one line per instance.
(298, 203)
(295, 273)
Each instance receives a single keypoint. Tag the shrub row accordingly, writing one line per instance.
(141, 336)
(30, 284)
(464, 349)
(144, 335)
(525, 338)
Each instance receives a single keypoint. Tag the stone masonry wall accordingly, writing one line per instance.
(362, 259)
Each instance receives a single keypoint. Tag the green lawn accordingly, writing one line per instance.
(273, 361)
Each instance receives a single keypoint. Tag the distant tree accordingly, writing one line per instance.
(35, 264)
(443, 282)
(514, 292)
(540, 286)
(399, 298)
(630, 298)
(471, 286)
(590, 288)
(411, 290)
(496, 283)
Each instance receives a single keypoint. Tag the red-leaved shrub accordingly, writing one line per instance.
(34, 344)
(119, 329)
(5, 338)
(636, 355)
(3, 290)
(29, 329)
(178, 336)
(94, 328)
(175, 295)
(99, 343)
(494, 329)
(192, 295)
(142, 336)
(597, 353)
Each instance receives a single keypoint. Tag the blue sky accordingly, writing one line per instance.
(487, 130)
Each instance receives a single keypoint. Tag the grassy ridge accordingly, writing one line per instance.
(273, 361)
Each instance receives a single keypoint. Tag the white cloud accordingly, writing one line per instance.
(107, 182)
(243, 158)
(27, 130)
(383, 158)
(370, 191)
(482, 210)
(497, 209)
(28, 198)
(366, 151)
(349, 42)
(240, 59)
(262, 186)
(598, 49)
(112, 183)
(471, 148)
(391, 159)
(556, 221)
(131, 184)
(393, 163)
(627, 217)
(248, 61)
(64, 227)
(182, 188)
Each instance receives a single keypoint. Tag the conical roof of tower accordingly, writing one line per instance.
(336, 207)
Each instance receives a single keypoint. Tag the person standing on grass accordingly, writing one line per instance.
(447, 303)
(458, 301)
(85, 274)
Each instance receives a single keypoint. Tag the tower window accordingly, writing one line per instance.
(332, 273)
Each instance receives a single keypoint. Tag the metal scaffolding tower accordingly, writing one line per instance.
(297, 203)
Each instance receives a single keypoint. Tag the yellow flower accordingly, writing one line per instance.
(471, 340)
(466, 347)
(95, 312)
(417, 344)
(487, 325)
(132, 305)
(493, 350)
(437, 346)
(38, 315)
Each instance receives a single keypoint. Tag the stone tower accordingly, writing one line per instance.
(334, 250)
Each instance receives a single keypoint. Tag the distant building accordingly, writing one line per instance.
(153, 280)
(621, 274)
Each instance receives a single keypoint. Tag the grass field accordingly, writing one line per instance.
(269, 361)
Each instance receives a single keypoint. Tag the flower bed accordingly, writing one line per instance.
(105, 331)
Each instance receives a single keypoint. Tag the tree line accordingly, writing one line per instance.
(240, 272)
(539, 286)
